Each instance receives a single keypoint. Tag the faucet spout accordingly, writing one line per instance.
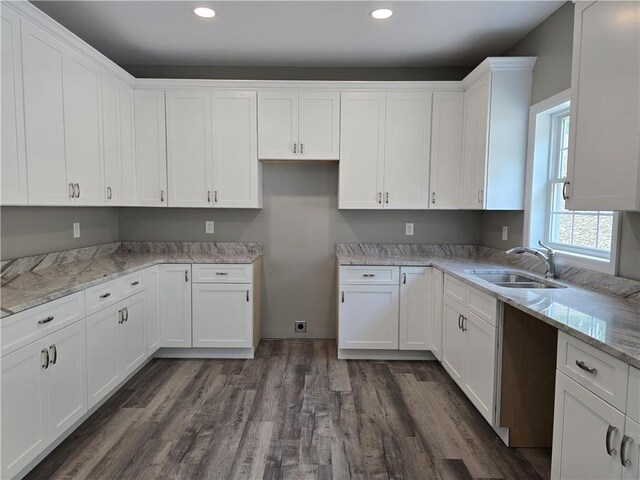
(548, 257)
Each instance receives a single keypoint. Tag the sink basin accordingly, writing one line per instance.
(513, 279)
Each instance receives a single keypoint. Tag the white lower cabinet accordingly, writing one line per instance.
(175, 305)
(132, 348)
(222, 315)
(437, 310)
(152, 309)
(469, 354)
(415, 308)
(587, 433)
(43, 394)
(630, 450)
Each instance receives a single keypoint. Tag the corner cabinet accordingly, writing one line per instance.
(604, 147)
(298, 125)
(385, 150)
(150, 148)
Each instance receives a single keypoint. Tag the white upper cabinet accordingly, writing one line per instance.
(42, 59)
(319, 125)
(604, 146)
(111, 140)
(150, 148)
(298, 125)
(496, 112)
(362, 128)
(13, 160)
(407, 145)
(446, 150)
(189, 160)
(236, 170)
(82, 110)
(127, 144)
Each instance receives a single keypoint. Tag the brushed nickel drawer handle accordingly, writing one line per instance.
(45, 320)
(626, 462)
(105, 295)
(45, 361)
(54, 357)
(133, 284)
(610, 431)
(222, 273)
(368, 275)
(591, 370)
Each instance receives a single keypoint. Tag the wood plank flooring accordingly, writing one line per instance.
(293, 412)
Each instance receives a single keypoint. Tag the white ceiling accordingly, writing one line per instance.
(300, 33)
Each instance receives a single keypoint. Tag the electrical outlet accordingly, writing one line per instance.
(300, 327)
(76, 230)
(408, 228)
(209, 227)
(505, 231)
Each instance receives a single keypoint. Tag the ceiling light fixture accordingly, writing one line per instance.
(204, 12)
(381, 13)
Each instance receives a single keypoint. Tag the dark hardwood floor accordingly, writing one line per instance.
(293, 412)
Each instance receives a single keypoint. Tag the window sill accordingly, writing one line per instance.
(588, 263)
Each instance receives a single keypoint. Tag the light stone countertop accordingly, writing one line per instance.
(23, 290)
(609, 323)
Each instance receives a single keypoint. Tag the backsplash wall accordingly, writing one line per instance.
(299, 226)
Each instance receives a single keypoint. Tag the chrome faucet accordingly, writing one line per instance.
(547, 257)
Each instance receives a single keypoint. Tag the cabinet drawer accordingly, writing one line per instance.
(130, 285)
(483, 305)
(633, 399)
(222, 273)
(28, 326)
(456, 289)
(370, 275)
(101, 296)
(595, 370)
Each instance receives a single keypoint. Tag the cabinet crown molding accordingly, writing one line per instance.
(491, 64)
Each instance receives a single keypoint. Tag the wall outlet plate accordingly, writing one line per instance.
(505, 232)
(408, 228)
(208, 227)
(76, 229)
(300, 327)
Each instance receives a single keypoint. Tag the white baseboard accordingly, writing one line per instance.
(351, 354)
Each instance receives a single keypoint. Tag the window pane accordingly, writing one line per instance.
(557, 202)
(585, 231)
(562, 228)
(563, 163)
(605, 232)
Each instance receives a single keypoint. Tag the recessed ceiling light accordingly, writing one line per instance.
(381, 13)
(204, 12)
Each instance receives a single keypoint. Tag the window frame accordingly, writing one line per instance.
(539, 196)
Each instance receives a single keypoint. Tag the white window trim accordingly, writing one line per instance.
(539, 176)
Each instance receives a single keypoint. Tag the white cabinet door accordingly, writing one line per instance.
(407, 145)
(362, 127)
(111, 140)
(476, 134)
(13, 163)
(481, 364)
(319, 126)
(604, 145)
(415, 308)
(44, 117)
(222, 315)
(175, 305)
(132, 351)
(454, 342)
(150, 148)
(152, 309)
(630, 449)
(368, 317)
(437, 313)
(83, 139)
(278, 125)
(127, 145)
(24, 409)
(66, 378)
(189, 160)
(446, 150)
(103, 372)
(583, 426)
(236, 169)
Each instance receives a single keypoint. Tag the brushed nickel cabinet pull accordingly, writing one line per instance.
(215, 196)
(186, 275)
(295, 147)
(209, 196)
(126, 314)
(433, 197)
(386, 198)
(480, 195)
(302, 148)
(133, 284)
(607, 441)
(78, 187)
(45, 320)
(247, 295)
(54, 357)
(460, 322)
(72, 191)
(121, 317)
(109, 193)
(105, 295)
(368, 275)
(45, 361)
(404, 278)
(162, 195)
(591, 370)
(380, 198)
(565, 196)
(342, 297)
(626, 462)
(222, 273)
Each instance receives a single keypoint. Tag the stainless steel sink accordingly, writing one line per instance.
(513, 279)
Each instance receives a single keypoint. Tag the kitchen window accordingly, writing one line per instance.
(582, 238)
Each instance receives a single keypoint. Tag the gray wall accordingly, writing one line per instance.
(552, 43)
(299, 226)
(33, 230)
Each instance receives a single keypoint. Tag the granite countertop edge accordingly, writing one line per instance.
(469, 263)
(145, 262)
